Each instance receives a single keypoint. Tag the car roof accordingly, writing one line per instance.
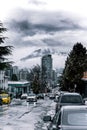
(69, 93)
(74, 107)
(24, 94)
(31, 94)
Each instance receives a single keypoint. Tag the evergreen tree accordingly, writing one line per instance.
(36, 85)
(4, 50)
(14, 77)
(75, 65)
(34, 78)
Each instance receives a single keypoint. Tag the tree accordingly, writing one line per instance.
(75, 65)
(14, 77)
(34, 78)
(36, 85)
(4, 50)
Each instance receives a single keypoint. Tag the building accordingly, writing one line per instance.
(46, 69)
(9, 72)
(3, 80)
(54, 78)
(16, 71)
(18, 87)
(13, 70)
(23, 73)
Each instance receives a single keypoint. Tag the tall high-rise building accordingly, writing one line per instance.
(23, 74)
(3, 80)
(46, 66)
(16, 71)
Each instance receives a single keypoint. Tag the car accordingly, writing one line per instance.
(51, 96)
(5, 98)
(68, 98)
(31, 98)
(24, 96)
(40, 96)
(1, 100)
(68, 118)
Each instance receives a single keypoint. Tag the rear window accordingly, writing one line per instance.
(75, 118)
(71, 99)
(4, 95)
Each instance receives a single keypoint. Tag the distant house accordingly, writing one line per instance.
(3, 80)
(84, 78)
(17, 87)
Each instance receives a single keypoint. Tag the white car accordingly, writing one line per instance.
(68, 118)
(24, 96)
(31, 98)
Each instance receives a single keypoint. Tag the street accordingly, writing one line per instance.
(25, 116)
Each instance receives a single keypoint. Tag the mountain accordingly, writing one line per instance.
(41, 52)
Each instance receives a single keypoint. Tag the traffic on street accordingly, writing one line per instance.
(44, 113)
(20, 115)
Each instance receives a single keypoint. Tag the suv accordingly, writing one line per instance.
(69, 99)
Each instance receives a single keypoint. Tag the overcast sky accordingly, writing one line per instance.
(34, 24)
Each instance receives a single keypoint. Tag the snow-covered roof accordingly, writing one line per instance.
(18, 83)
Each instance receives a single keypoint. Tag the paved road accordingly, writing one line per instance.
(24, 116)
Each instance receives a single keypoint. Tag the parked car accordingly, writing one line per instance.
(31, 98)
(69, 99)
(1, 100)
(40, 96)
(51, 96)
(24, 96)
(5, 98)
(68, 118)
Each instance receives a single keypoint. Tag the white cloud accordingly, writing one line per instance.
(58, 61)
(77, 7)
(38, 36)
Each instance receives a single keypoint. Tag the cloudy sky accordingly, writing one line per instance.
(34, 24)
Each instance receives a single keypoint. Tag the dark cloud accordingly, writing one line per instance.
(34, 23)
(42, 52)
(53, 42)
(29, 28)
(23, 27)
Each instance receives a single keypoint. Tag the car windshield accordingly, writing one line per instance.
(71, 99)
(75, 118)
(5, 96)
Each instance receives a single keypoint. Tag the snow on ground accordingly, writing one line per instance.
(26, 116)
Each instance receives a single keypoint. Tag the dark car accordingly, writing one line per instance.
(40, 96)
(1, 100)
(69, 99)
(69, 118)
